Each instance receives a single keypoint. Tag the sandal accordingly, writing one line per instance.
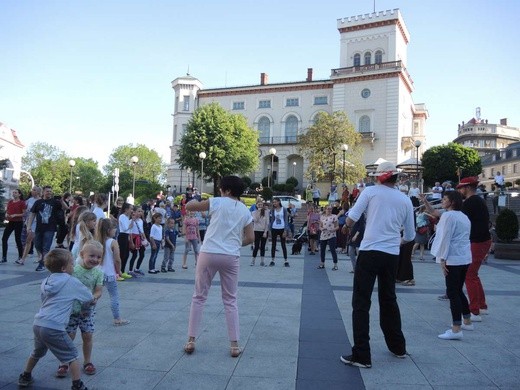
(62, 371)
(184, 267)
(189, 347)
(121, 322)
(321, 266)
(235, 351)
(89, 369)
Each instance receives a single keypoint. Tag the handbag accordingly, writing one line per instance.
(422, 230)
(144, 241)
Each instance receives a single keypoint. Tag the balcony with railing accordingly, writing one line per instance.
(288, 139)
(383, 66)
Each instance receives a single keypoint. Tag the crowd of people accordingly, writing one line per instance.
(378, 225)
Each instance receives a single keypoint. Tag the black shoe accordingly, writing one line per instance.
(163, 270)
(4, 260)
(25, 380)
(171, 270)
(152, 271)
(350, 360)
(286, 264)
(81, 386)
(271, 264)
(40, 268)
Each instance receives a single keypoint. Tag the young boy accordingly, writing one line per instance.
(83, 315)
(170, 243)
(58, 293)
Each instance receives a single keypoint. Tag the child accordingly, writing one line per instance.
(156, 235)
(84, 232)
(88, 273)
(110, 264)
(170, 243)
(58, 292)
(190, 227)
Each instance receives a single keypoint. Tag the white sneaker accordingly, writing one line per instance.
(450, 335)
(467, 327)
(484, 312)
(476, 318)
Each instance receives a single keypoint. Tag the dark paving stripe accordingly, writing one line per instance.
(323, 338)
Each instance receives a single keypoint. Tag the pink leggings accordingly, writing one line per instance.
(207, 266)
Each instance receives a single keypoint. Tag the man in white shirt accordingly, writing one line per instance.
(437, 191)
(387, 212)
(500, 181)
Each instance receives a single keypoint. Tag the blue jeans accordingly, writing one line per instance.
(42, 243)
(332, 246)
(113, 292)
(153, 255)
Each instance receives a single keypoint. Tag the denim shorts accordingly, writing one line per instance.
(57, 341)
(85, 323)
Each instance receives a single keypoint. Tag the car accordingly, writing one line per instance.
(286, 199)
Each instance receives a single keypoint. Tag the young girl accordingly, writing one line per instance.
(74, 223)
(126, 224)
(190, 228)
(111, 265)
(261, 227)
(138, 237)
(156, 235)
(84, 232)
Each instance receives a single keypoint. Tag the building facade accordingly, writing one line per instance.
(371, 85)
(505, 161)
(485, 137)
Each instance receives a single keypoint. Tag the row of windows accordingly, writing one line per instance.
(378, 58)
(289, 102)
(291, 127)
(504, 171)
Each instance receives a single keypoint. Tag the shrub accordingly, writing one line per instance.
(254, 186)
(292, 180)
(267, 193)
(517, 182)
(289, 188)
(507, 225)
(508, 184)
(279, 187)
(264, 182)
(247, 181)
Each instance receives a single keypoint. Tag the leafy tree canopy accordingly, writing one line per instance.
(443, 162)
(231, 146)
(322, 144)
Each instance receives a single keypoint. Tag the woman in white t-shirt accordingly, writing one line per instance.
(452, 249)
(231, 227)
(279, 220)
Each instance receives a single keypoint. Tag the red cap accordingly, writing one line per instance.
(468, 181)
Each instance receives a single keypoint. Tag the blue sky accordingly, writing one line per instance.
(88, 76)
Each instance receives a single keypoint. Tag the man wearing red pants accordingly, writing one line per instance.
(476, 210)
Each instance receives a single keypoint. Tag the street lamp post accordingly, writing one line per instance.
(202, 156)
(294, 168)
(272, 152)
(134, 161)
(344, 148)
(333, 169)
(268, 177)
(417, 146)
(72, 163)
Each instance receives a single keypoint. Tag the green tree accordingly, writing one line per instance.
(321, 146)
(444, 162)
(231, 146)
(86, 177)
(149, 171)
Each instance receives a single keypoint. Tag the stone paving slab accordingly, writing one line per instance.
(295, 322)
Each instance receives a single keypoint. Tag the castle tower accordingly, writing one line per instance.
(373, 86)
(186, 90)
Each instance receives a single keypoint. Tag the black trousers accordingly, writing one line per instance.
(275, 233)
(405, 267)
(459, 305)
(124, 250)
(372, 265)
(260, 241)
(11, 226)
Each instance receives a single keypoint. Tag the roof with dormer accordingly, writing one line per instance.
(9, 135)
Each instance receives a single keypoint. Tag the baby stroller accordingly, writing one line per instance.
(299, 239)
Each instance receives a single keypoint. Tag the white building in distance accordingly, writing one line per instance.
(371, 85)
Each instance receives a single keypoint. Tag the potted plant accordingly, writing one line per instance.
(506, 227)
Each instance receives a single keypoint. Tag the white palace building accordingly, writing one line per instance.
(371, 85)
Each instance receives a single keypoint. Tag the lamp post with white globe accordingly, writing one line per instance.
(134, 160)
(72, 164)
(272, 152)
(344, 148)
(417, 144)
(202, 156)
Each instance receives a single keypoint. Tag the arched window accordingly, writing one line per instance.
(291, 129)
(264, 130)
(368, 58)
(379, 57)
(364, 124)
(357, 59)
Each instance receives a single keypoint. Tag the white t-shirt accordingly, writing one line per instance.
(138, 226)
(387, 211)
(228, 220)
(278, 222)
(414, 192)
(108, 266)
(451, 241)
(99, 213)
(437, 192)
(156, 232)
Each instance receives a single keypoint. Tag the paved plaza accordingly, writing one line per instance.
(295, 323)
